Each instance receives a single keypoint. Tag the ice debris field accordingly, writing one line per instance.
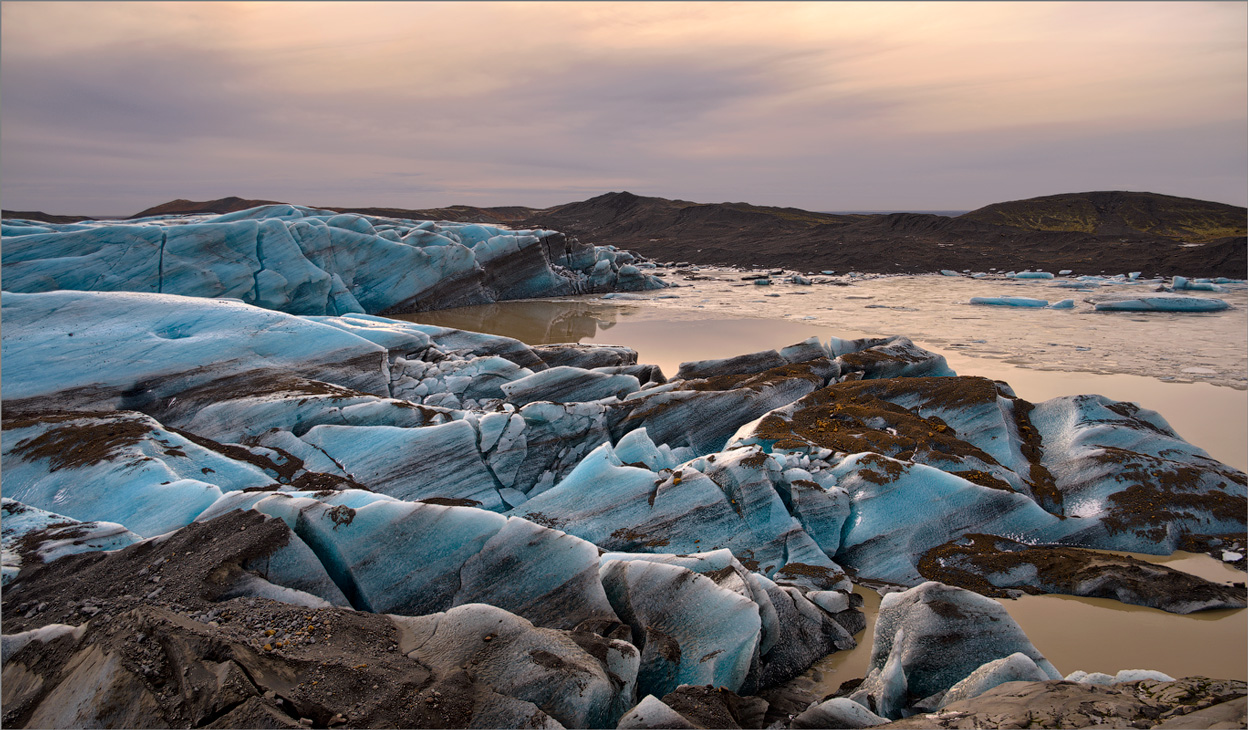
(160, 376)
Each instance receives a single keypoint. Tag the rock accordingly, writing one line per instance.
(1145, 704)
(991, 565)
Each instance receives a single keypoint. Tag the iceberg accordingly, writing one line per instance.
(1161, 304)
(931, 637)
(1010, 301)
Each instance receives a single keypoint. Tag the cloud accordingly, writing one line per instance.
(808, 104)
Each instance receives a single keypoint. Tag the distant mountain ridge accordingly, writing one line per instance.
(1092, 232)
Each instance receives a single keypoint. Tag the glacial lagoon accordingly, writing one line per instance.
(1191, 368)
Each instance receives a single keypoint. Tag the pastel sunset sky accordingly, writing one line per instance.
(112, 107)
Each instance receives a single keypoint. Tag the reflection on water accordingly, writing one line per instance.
(535, 322)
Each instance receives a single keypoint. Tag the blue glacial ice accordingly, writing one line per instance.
(837, 712)
(931, 637)
(143, 347)
(1011, 301)
(1161, 304)
(308, 261)
(45, 536)
(486, 456)
(121, 467)
(666, 606)
(1017, 667)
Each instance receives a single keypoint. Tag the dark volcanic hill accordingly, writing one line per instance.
(38, 215)
(1118, 213)
(191, 207)
(505, 215)
(1097, 232)
(1111, 232)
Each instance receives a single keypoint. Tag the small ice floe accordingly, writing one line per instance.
(1125, 675)
(1065, 272)
(1064, 304)
(621, 295)
(762, 282)
(948, 272)
(1182, 283)
(1033, 275)
(1161, 304)
(1010, 301)
(827, 272)
(1231, 557)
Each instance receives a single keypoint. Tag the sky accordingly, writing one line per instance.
(112, 107)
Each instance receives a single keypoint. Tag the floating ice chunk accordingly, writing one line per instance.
(1011, 301)
(1017, 667)
(1097, 678)
(1033, 275)
(1139, 675)
(1134, 275)
(1064, 304)
(762, 282)
(837, 712)
(1231, 557)
(1161, 304)
(1065, 272)
(949, 272)
(1125, 675)
(900, 510)
(1183, 283)
(1091, 441)
(932, 636)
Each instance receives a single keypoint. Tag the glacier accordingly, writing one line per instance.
(315, 262)
(174, 382)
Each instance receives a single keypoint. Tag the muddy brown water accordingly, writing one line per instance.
(1074, 633)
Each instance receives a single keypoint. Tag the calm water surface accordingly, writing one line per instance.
(1041, 353)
